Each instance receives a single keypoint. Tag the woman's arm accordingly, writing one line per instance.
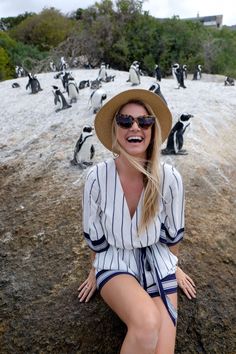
(88, 287)
(184, 281)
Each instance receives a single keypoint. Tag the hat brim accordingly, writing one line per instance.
(105, 116)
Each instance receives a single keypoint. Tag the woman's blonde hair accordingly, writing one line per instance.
(150, 168)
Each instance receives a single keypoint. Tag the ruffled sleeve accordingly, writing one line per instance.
(172, 229)
(93, 230)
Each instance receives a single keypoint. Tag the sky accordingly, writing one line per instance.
(157, 8)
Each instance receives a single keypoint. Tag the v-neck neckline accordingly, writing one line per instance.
(125, 200)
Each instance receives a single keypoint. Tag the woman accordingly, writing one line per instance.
(133, 221)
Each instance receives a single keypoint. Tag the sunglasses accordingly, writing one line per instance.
(126, 121)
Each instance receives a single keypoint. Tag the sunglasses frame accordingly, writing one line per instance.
(139, 120)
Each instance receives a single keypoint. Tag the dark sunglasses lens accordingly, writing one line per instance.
(124, 121)
(145, 122)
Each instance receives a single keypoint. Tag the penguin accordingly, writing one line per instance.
(72, 90)
(83, 84)
(15, 85)
(197, 73)
(157, 73)
(59, 99)
(185, 71)
(33, 83)
(178, 74)
(102, 72)
(95, 84)
(229, 81)
(110, 78)
(175, 139)
(64, 64)
(52, 66)
(157, 89)
(96, 98)
(134, 75)
(84, 150)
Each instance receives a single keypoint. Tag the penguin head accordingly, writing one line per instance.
(154, 87)
(175, 65)
(185, 117)
(87, 128)
(55, 87)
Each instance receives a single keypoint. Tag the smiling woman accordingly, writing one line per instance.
(133, 215)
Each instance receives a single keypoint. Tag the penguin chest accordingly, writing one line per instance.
(85, 152)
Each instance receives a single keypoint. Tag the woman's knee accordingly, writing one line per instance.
(146, 329)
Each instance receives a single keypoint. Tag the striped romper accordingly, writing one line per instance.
(111, 232)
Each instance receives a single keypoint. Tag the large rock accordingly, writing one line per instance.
(44, 258)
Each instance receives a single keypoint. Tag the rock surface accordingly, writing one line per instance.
(43, 257)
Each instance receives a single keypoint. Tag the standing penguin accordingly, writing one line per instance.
(84, 150)
(185, 71)
(175, 139)
(157, 90)
(59, 99)
(197, 75)
(33, 83)
(134, 76)
(178, 74)
(157, 72)
(102, 72)
(72, 90)
(96, 98)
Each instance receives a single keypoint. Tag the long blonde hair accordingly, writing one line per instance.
(150, 168)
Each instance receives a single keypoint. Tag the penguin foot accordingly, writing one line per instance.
(167, 152)
(73, 162)
(182, 152)
(86, 163)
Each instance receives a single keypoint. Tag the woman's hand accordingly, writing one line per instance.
(185, 283)
(88, 287)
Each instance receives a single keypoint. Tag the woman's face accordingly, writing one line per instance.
(134, 140)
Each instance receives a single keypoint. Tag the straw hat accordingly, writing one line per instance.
(105, 116)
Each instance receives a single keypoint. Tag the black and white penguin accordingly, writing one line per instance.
(20, 72)
(157, 90)
(95, 84)
(63, 64)
(185, 71)
(84, 150)
(52, 66)
(83, 84)
(229, 81)
(102, 72)
(15, 85)
(96, 98)
(157, 73)
(134, 75)
(72, 90)
(33, 83)
(178, 74)
(175, 139)
(59, 99)
(197, 75)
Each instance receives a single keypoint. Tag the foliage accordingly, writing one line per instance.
(45, 30)
(119, 32)
(8, 23)
(14, 53)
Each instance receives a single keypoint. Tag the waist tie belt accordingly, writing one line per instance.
(147, 256)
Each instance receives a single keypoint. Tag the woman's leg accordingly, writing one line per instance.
(137, 310)
(167, 333)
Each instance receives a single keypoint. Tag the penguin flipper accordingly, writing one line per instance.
(92, 152)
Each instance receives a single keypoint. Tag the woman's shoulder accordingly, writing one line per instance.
(99, 169)
(169, 172)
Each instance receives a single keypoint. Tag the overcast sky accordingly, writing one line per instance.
(157, 8)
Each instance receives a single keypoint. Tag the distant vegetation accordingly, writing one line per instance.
(117, 34)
